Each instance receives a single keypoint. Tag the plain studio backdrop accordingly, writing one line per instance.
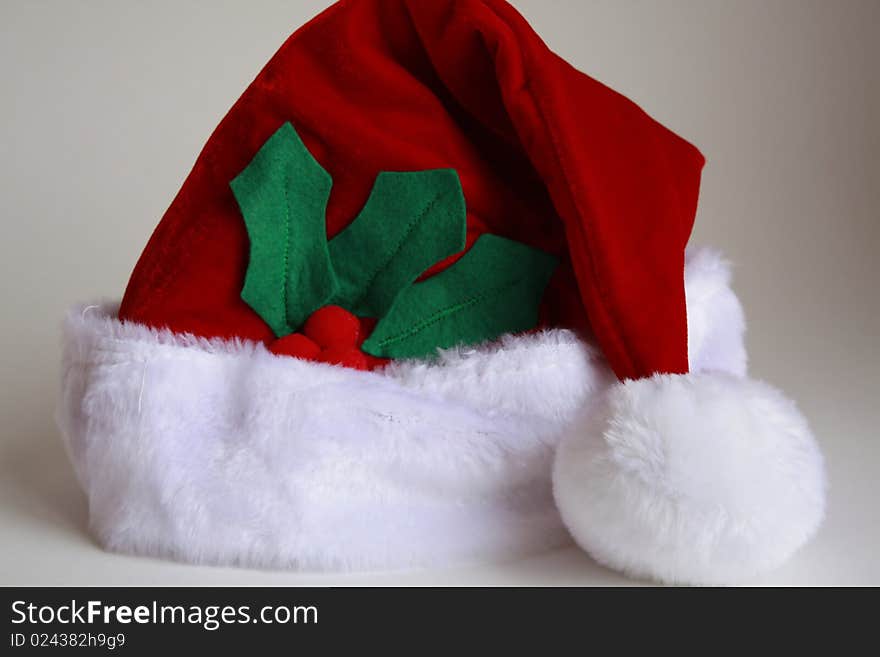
(105, 106)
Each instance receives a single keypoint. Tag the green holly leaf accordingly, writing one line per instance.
(411, 221)
(283, 196)
(495, 288)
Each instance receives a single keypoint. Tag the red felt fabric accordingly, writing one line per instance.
(296, 345)
(332, 326)
(546, 156)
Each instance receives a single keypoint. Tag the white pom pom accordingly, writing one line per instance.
(697, 478)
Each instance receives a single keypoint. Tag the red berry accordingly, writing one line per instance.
(296, 345)
(333, 327)
(346, 357)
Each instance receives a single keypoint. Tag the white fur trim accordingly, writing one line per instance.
(220, 452)
(699, 478)
(224, 453)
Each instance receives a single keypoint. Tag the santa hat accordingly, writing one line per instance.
(425, 299)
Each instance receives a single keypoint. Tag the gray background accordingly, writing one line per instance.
(105, 106)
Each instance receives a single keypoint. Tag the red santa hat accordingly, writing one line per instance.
(423, 299)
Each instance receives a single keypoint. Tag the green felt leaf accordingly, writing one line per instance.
(283, 196)
(495, 288)
(411, 221)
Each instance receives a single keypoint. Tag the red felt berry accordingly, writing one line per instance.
(296, 345)
(346, 357)
(333, 327)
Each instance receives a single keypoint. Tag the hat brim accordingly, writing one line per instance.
(221, 452)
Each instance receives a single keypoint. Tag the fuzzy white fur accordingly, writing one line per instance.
(220, 452)
(699, 478)
(224, 453)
